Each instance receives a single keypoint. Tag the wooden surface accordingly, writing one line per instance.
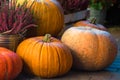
(110, 73)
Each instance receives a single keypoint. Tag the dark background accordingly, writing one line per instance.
(113, 14)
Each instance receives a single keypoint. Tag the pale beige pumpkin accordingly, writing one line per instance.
(48, 16)
(46, 59)
(92, 49)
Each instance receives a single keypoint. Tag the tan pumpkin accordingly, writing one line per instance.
(45, 56)
(92, 49)
(92, 23)
(48, 15)
(10, 64)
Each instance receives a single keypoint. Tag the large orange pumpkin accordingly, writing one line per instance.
(10, 64)
(92, 23)
(45, 56)
(92, 49)
(48, 15)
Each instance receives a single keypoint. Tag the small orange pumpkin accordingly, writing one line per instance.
(92, 49)
(46, 57)
(91, 23)
(10, 64)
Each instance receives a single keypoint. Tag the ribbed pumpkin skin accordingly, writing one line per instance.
(92, 49)
(48, 15)
(45, 59)
(10, 64)
(88, 24)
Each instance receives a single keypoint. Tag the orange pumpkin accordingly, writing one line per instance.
(92, 49)
(91, 23)
(48, 15)
(10, 64)
(45, 56)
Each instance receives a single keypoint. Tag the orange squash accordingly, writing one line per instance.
(45, 56)
(92, 23)
(48, 15)
(10, 64)
(92, 49)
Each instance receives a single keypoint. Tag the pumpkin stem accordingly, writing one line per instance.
(47, 38)
(93, 21)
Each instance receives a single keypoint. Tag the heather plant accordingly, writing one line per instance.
(70, 6)
(14, 18)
